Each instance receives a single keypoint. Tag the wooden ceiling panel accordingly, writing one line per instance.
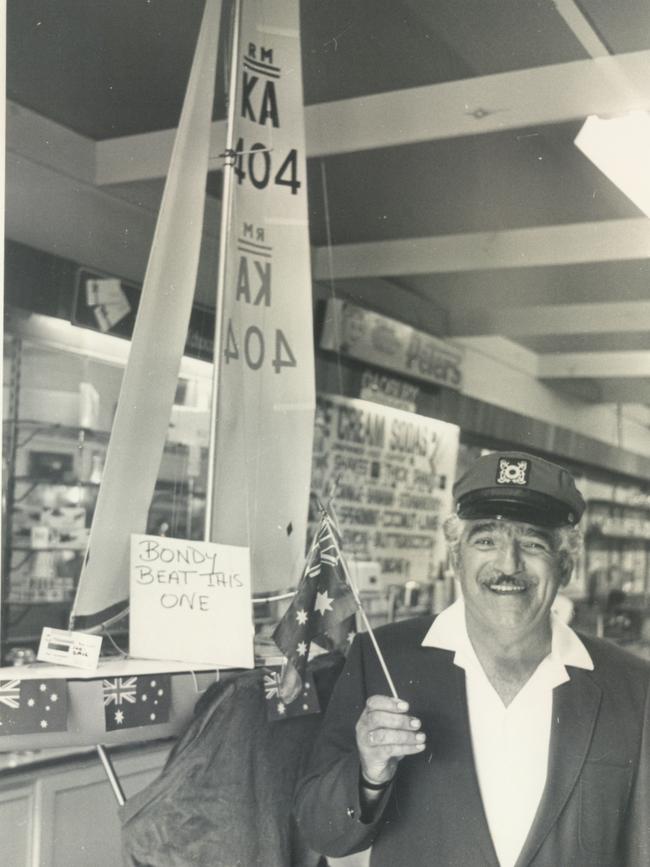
(498, 35)
(103, 68)
(518, 178)
(582, 283)
(624, 25)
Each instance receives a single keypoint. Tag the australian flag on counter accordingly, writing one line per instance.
(30, 706)
(322, 609)
(142, 700)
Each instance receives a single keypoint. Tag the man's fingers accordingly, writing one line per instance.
(378, 763)
(399, 750)
(394, 737)
(379, 719)
(386, 732)
(385, 702)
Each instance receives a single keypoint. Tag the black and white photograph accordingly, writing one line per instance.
(325, 514)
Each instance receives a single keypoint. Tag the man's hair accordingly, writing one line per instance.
(567, 538)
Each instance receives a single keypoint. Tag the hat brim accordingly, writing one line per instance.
(525, 505)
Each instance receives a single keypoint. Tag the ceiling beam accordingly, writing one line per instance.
(145, 156)
(581, 28)
(601, 241)
(490, 103)
(48, 209)
(539, 320)
(35, 141)
(509, 100)
(633, 364)
(35, 138)
(625, 391)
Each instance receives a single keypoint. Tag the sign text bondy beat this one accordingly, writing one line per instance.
(190, 563)
(190, 601)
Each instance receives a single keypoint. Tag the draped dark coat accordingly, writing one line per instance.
(595, 809)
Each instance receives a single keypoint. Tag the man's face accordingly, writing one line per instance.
(510, 572)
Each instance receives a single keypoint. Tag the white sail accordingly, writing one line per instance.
(147, 394)
(266, 392)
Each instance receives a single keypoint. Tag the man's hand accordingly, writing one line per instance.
(386, 733)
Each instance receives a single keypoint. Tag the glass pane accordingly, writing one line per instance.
(59, 407)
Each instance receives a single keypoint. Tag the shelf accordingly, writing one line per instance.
(615, 504)
(64, 602)
(34, 549)
(41, 602)
(65, 482)
(617, 537)
(33, 640)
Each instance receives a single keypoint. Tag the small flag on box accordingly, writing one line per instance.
(305, 703)
(130, 702)
(30, 706)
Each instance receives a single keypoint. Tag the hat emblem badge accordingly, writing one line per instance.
(513, 472)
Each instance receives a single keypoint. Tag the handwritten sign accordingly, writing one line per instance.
(190, 601)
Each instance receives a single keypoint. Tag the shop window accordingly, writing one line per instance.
(58, 410)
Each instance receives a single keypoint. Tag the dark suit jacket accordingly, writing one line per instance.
(595, 810)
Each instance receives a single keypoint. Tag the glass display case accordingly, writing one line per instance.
(59, 402)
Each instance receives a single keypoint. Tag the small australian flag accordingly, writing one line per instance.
(30, 706)
(140, 700)
(323, 601)
(306, 701)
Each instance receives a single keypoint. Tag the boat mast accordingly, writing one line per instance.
(230, 157)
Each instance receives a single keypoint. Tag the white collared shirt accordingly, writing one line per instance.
(510, 744)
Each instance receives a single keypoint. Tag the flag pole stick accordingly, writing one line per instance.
(366, 622)
(112, 776)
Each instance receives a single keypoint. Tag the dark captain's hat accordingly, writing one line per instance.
(520, 487)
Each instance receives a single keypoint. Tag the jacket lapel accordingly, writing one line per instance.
(464, 779)
(575, 709)
(467, 779)
(448, 719)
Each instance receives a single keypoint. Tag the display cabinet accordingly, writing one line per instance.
(57, 413)
(618, 548)
(617, 570)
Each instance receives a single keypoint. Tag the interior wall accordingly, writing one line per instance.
(499, 372)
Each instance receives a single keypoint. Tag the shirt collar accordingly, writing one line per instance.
(449, 632)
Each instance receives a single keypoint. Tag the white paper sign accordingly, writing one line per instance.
(104, 291)
(191, 601)
(63, 647)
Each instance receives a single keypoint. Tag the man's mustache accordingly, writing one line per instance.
(505, 577)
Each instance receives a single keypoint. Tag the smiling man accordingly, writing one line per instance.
(514, 741)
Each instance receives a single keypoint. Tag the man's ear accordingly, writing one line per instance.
(566, 568)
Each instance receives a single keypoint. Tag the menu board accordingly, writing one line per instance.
(392, 472)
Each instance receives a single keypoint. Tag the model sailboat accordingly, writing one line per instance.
(263, 397)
